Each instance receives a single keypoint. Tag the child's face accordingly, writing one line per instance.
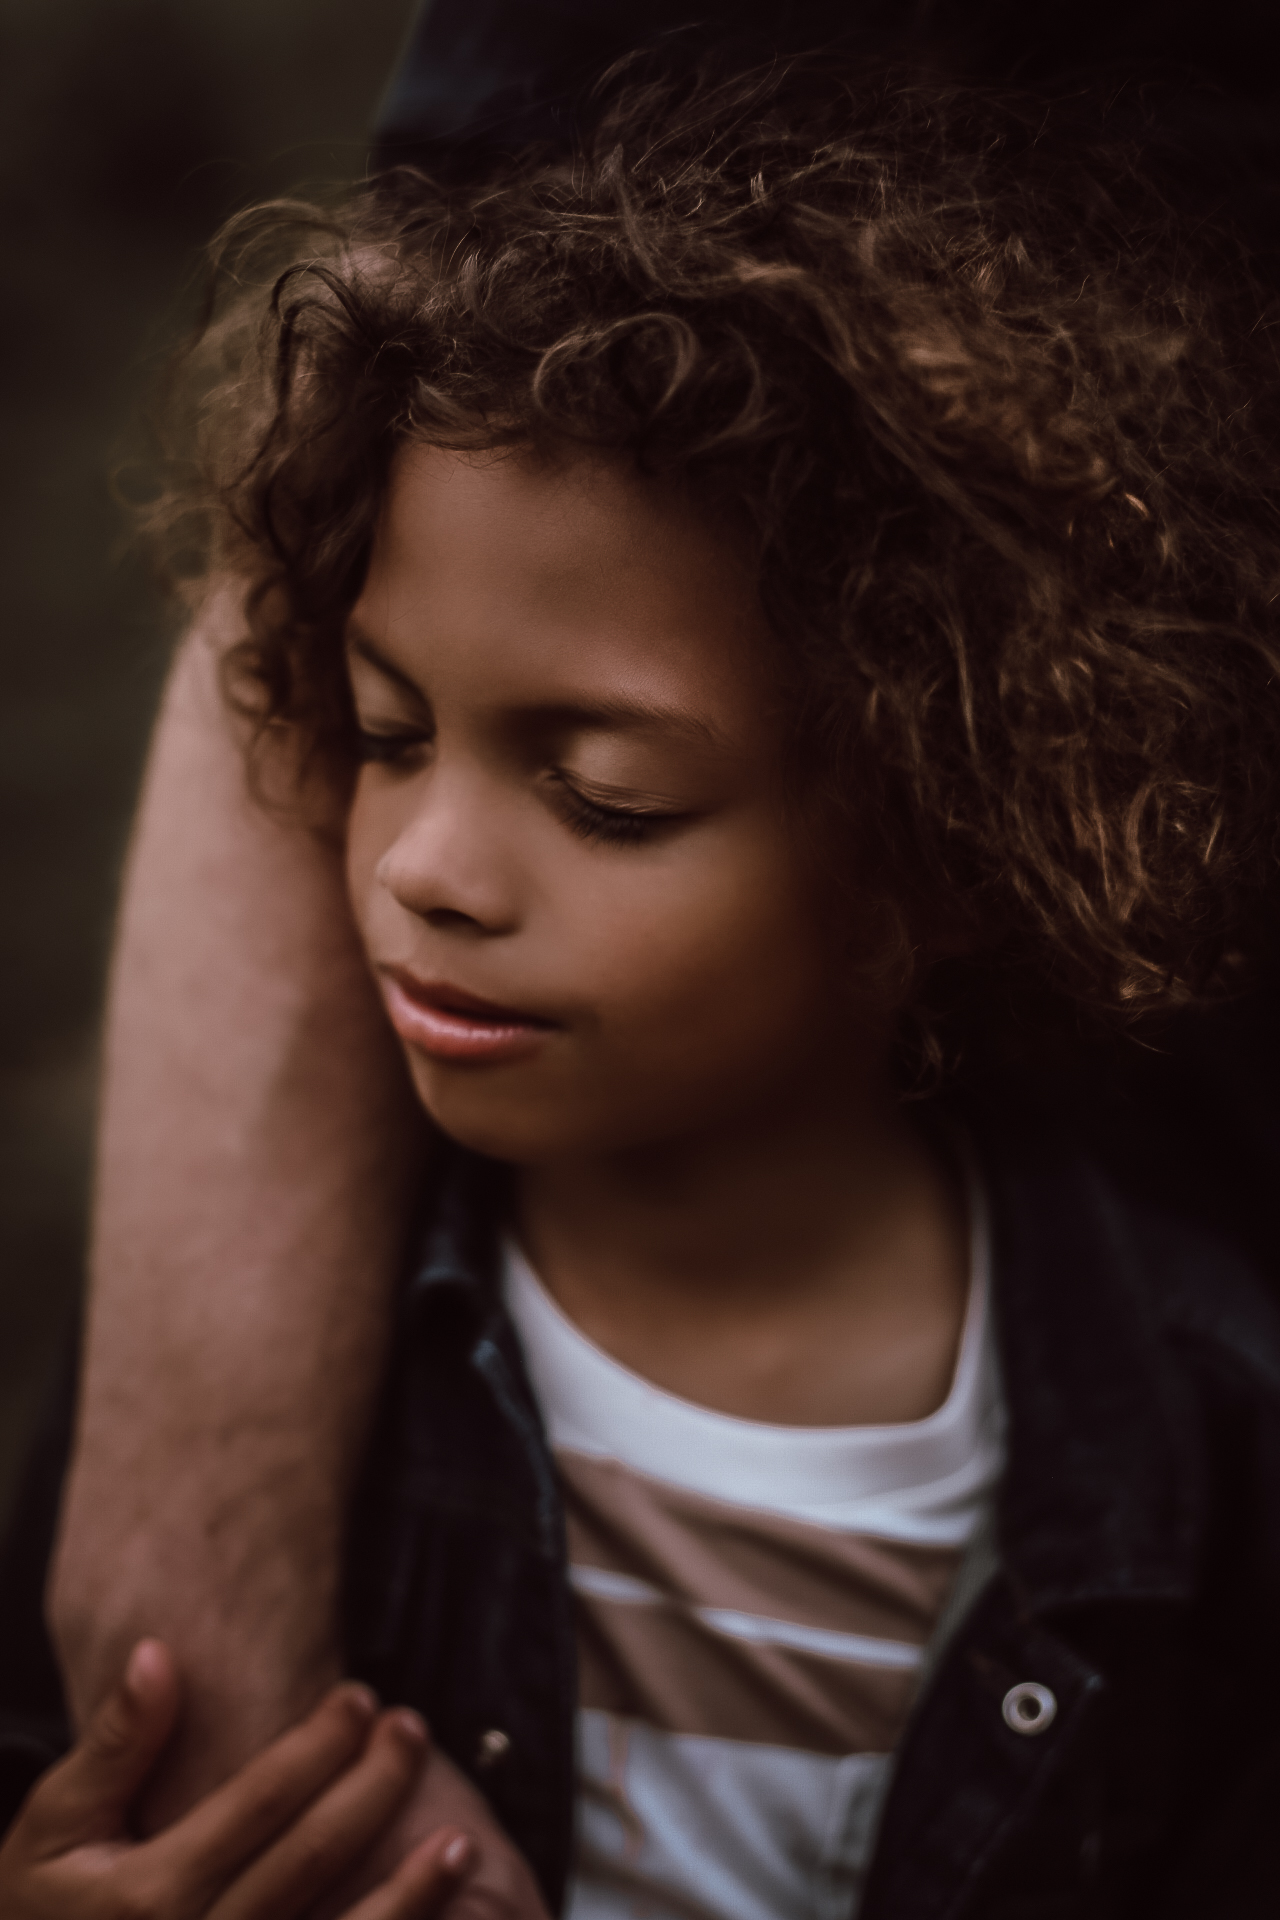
(578, 883)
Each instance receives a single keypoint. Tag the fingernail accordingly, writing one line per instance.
(361, 1699)
(140, 1667)
(411, 1725)
(457, 1853)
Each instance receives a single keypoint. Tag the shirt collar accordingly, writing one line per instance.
(459, 1248)
(1103, 1495)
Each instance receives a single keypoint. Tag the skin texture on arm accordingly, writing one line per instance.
(257, 1157)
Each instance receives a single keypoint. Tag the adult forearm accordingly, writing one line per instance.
(257, 1151)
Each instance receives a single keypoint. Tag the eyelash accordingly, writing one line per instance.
(386, 749)
(610, 826)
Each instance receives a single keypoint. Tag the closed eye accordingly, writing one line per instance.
(389, 747)
(593, 819)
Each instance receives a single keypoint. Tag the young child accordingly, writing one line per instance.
(261, 1848)
(789, 595)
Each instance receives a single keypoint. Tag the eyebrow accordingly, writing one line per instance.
(602, 713)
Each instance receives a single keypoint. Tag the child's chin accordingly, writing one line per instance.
(527, 1128)
(470, 1110)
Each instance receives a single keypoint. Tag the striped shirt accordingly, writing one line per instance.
(753, 1607)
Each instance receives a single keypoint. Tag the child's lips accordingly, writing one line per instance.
(448, 1023)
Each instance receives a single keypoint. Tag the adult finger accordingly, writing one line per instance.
(201, 1853)
(86, 1796)
(335, 1831)
(423, 1882)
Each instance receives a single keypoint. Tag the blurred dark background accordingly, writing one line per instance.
(128, 130)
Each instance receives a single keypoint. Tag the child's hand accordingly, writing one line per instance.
(500, 1885)
(262, 1847)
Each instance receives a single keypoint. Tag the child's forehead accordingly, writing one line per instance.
(571, 505)
(570, 580)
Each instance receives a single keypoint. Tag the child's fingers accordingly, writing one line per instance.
(206, 1848)
(335, 1832)
(86, 1796)
(422, 1882)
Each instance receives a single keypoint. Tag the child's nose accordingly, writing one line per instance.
(447, 867)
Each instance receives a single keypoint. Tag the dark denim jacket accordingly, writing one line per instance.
(1138, 1537)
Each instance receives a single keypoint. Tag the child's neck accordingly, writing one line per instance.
(807, 1268)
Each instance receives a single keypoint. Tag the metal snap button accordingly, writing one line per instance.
(1029, 1707)
(493, 1747)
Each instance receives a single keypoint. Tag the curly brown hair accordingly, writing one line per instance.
(1001, 426)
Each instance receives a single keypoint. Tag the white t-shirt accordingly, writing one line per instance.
(753, 1605)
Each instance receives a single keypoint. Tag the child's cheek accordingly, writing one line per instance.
(699, 978)
(381, 815)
